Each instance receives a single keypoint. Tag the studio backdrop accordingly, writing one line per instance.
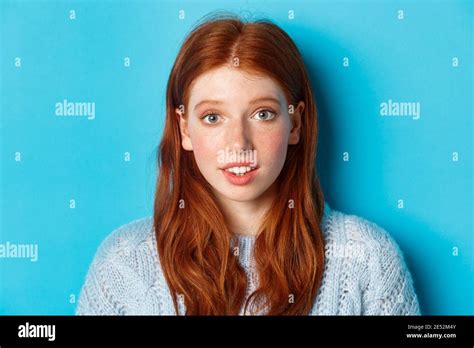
(82, 113)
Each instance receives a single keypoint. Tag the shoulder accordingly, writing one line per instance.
(365, 252)
(130, 250)
(122, 271)
(370, 238)
(362, 248)
(127, 236)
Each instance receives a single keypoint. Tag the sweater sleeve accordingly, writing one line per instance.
(100, 294)
(389, 286)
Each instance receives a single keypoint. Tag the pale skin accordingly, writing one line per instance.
(235, 120)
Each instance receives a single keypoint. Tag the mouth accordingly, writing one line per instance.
(240, 170)
(241, 174)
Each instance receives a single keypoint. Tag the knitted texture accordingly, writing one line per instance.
(365, 272)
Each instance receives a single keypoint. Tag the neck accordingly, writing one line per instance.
(244, 217)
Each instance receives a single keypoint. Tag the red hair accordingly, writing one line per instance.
(195, 244)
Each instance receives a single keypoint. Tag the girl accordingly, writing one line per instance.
(240, 224)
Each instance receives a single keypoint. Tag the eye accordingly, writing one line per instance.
(265, 115)
(211, 118)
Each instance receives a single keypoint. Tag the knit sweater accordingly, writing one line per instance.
(365, 272)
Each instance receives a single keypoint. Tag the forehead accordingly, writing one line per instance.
(232, 85)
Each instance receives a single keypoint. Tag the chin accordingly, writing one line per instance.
(240, 194)
(242, 198)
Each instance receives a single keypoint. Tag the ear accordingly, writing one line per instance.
(294, 137)
(183, 127)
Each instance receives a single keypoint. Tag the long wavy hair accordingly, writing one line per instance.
(195, 245)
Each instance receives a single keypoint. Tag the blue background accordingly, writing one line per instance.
(391, 158)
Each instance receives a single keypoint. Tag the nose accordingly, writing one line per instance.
(238, 134)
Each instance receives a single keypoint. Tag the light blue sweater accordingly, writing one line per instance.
(365, 272)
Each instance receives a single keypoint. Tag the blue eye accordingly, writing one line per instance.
(263, 115)
(269, 116)
(210, 116)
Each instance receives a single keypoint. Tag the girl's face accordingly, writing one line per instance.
(228, 111)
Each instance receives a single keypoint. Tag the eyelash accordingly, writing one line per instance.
(258, 111)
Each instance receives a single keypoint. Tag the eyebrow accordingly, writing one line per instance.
(258, 100)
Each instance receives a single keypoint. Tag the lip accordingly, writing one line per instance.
(239, 164)
(240, 180)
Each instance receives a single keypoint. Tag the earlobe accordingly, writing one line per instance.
(183, 127)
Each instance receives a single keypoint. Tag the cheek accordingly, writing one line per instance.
(204, 148)
(274, 145)
(274, 149)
